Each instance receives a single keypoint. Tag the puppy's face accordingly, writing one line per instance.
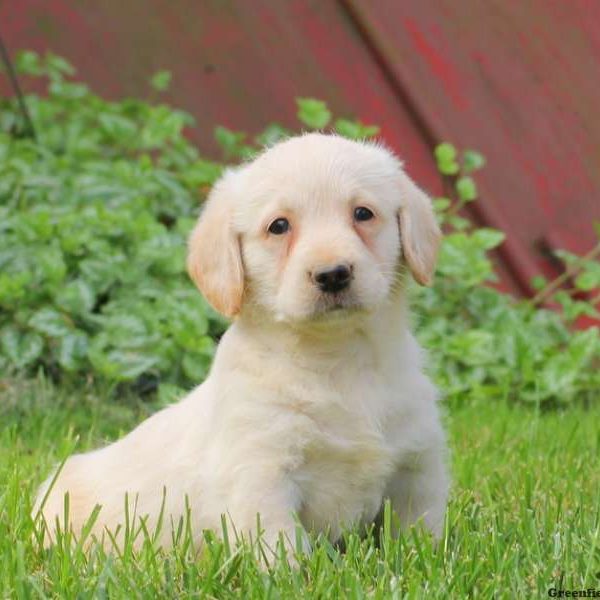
(318, 230)
(316, 227)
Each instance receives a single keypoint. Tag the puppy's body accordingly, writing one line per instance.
(321, 414)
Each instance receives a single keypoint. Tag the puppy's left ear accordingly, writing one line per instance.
(420, 234)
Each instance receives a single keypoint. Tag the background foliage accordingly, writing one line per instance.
(94, 216)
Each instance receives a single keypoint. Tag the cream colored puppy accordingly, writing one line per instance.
(316, 404)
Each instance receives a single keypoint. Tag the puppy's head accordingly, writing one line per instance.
(316, 225)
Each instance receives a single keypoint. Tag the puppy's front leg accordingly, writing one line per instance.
(257, 501)
(418, 492)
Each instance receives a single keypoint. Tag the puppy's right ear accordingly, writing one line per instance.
(214, 259)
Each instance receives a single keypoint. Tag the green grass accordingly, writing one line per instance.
(524, 515)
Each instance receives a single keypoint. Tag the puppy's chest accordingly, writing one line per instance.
(347, 460)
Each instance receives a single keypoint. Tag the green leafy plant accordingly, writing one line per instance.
(313, 113)
(160, 81)
(94, 217)
(486, 343)
(93, 220)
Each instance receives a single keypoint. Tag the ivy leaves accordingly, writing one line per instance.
(94, 231)
(484, 343)
(93, 227)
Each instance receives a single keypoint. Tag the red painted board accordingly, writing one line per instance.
(519, 81)
(240, 64)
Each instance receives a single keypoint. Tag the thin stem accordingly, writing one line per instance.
(569, 272)
(17, 89)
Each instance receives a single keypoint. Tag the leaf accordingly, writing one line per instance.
(57, 64)
(589, 278)
(445, 156)
(466, 188)
(22, 349)
(30, 349)
(125, 330)
(445, 152)
(458, 223)
(72, 348)
(475, 347)
(441, 204)
(169, 394)
(230, 141)
(65, 89)
(201, 173)
(117, 126)
(13, 288)
(463, 261)
(28, 63)
(161, 80)
(587, 281)
(489, 238)
(448, 168)
(129, 364)
(472, 161)
(196, 366)
(539, 282)
(313, 113)
(567, 257)
(584, 345)
(10, 338)
(76, 297)
(272, 134)
(119, 364)
(355, 130)
(100, 273)
(50, 322)
(162, 125)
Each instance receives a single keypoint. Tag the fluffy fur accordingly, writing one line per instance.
(316, 404)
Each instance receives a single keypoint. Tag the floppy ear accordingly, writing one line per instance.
(214, 259)
(420, 234)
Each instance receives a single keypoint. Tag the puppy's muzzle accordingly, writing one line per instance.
(332, 279)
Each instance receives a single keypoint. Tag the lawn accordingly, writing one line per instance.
(524, 514)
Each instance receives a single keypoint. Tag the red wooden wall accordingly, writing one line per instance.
(519, 81)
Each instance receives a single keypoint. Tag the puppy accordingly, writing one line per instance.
(316, 408)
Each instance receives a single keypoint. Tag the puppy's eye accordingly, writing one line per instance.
(362, 213)
(279, 226)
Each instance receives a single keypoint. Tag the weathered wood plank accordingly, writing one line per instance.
(519, 81)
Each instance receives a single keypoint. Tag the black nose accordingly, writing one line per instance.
(333, 279)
